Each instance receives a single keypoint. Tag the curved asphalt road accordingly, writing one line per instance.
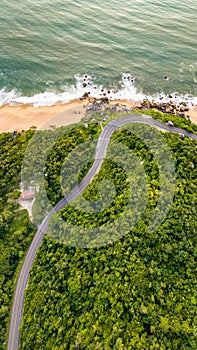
(101, 149)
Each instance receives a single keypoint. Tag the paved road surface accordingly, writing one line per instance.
(101, 149)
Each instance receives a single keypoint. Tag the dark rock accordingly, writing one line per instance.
(85, 95)
(104, 100)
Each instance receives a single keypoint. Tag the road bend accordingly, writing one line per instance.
(101, 149)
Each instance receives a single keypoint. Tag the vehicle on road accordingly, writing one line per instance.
(170, 123)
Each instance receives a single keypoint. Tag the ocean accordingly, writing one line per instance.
(56, 50)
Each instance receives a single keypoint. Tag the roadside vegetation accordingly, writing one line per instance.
(140, 291)
(16, 230)
(179, 122)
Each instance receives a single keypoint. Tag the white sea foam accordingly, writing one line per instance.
(6, 97)
(85, 85)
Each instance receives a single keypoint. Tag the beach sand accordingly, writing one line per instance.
(193, 115)
(23, 117)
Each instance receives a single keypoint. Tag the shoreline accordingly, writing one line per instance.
(24, 117)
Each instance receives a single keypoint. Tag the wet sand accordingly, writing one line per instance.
(24, 117)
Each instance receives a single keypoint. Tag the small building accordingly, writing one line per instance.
(28, 194)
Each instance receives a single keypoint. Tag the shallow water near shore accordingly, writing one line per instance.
(56, 51)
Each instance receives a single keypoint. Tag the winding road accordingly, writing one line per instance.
(101, 149)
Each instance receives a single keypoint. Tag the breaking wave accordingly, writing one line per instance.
(85, 85)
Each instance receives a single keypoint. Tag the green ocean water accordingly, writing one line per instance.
(45, 44)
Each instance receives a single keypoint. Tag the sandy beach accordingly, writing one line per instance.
(193, 115)
(23, 117)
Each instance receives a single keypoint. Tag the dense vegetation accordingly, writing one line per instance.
(180, 122)
(139, 292)
(16, 231)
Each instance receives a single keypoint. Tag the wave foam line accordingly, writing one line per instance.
(85, 85)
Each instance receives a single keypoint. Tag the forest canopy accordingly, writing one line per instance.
(137, 292)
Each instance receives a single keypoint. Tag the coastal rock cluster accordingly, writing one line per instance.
(99, 105)
(170, 107)
(102, 105)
